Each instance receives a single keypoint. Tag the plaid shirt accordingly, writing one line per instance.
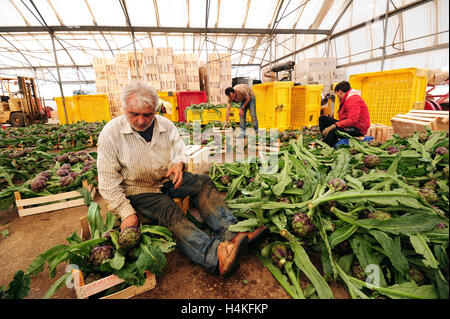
(128, 165)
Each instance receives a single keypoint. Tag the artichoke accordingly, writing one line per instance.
(280, 254)
(379, 215)
(430, 184)
(63, 170)
(129, 237)
(38, 184)
(375, 143)
(283, 200)
(302, 224)
(101, 253)
(46, 175)
(285, 136)
(441, 150)
(73, 174)
(62, 158)
(416, 276)
(440, 225)
(92, 277)
(328, 206)
(86, 168)
(423, 137)
(358, 271)
(445, 171)
(372, 161)
(225, 180)
(107, 234)
(428, 195)
(299, 183)
(66, 181)
(73, 160)
(392, 150)
(353, 151)
(338, 184)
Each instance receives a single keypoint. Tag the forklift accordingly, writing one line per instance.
(21, 107)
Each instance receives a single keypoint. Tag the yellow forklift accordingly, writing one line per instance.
(19, 104)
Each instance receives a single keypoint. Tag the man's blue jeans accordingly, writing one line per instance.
(243, 119)
(193, 242)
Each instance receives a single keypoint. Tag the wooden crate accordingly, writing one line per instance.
(379, 132)
(70, 199)
(84, 291)
(199, 161)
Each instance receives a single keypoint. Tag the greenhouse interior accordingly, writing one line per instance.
(224, 149)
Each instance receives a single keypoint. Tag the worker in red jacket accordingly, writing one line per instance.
(353, 113)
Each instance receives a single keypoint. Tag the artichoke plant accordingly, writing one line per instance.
(280, 254)
(372, 161)
(129, 237)
(101, 253)
(302, 224)
(338, 184)
(428, 195)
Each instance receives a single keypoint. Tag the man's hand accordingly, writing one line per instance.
(241, 113)
(328, 129)
(177, 170)
(131, 220)
(225, 125)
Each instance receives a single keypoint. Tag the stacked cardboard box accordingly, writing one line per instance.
(166, 69)
(186, 72)
(136, 65)
(151, 70)
(219, 77)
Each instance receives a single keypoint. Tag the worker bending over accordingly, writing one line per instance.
(141, 161)
(353, 114)
(242, 93)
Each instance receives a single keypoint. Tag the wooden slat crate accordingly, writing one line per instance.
(199, 161)
(27, 206)
(379, 132)
(418, 120)
(84, 291)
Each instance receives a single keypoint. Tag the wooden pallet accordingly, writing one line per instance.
(84, 291)
(419, 120)
(28, 206)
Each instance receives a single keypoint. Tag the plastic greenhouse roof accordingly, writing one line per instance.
(253, 32)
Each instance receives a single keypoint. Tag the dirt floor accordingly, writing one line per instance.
(29, 236)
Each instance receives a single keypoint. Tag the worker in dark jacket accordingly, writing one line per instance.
(353, 114)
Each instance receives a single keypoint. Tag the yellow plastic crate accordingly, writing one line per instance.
(273, 104)
(88, 108)
(170, 97)
(392, 92)
(206, 116)
(306, 106)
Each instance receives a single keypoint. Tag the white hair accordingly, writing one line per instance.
(141, 94)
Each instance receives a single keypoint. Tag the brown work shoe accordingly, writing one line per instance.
(252, 236)
(229, 253)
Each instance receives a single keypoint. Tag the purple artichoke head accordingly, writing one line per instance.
(92, 277)
(73, 174)
(441, 151)
(338, 184)
(107, 234)
(280, 254)
(416, 276)
(66, 181)
(299, 183)
(46, 175)
(302, 224)
(129, 237)
(428, 195)
(430, 184)
(372, 161)
(353, 151)
(328, 206)
(225, 180)
(101, 253)
(358, 271)
(379, 215)
(283, 200)
(73, 159)
(62, 158)
(441, 225)
(375, 143)
(86, 168)
(38, 184)
(392, 150)
(423, 137)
